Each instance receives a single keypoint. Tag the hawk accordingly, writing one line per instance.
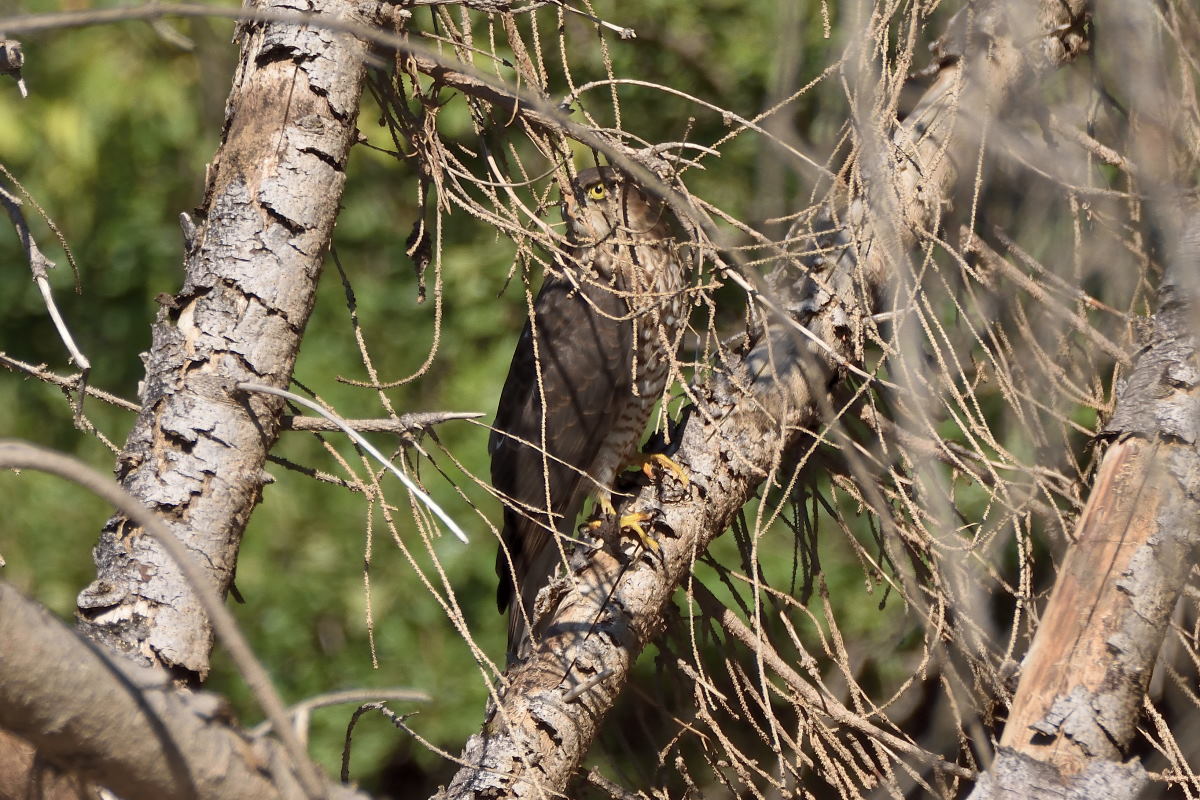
(590, 364)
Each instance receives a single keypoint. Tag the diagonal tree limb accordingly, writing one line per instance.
(122, 726)
(597, 622)
(20, 455)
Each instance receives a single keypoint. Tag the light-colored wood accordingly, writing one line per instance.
(1072, 650)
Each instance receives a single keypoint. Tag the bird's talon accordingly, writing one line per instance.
(604, 510)
(633, 523)
(665, 462)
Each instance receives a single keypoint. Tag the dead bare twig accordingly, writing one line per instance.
(40, 266)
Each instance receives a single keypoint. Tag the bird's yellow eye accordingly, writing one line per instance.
(596, 191)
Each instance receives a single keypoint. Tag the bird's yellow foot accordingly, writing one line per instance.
(627, 522)
(649, 460)
(633, 522)
(606, 512)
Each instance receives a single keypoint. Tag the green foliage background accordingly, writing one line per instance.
(113, 142)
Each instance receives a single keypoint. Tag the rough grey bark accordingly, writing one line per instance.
(596, 621)
(1014, 776)
(123, 726)
(197, 450)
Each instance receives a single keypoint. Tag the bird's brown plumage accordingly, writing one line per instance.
(586, 372)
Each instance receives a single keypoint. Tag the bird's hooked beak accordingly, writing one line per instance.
(581, 225)
(570, 203)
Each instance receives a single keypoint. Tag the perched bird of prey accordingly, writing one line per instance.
(589, 366)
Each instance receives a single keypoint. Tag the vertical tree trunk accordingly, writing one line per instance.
(198, 447)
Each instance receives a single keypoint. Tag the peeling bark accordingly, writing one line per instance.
(1014, 776)
(1084, 678)
(197, 450)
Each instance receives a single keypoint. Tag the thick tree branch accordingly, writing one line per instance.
(126, 727)
(1077, 706)
(19, 455)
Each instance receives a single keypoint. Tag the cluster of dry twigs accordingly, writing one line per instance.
(963, 340)
(952, 460)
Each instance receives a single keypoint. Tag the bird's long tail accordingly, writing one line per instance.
(520, 584)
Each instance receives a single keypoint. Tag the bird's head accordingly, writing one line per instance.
(605, 201)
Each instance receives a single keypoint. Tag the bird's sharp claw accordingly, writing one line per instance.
(626, 522)
(664, 462)
(605, 507)
(633, 522)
